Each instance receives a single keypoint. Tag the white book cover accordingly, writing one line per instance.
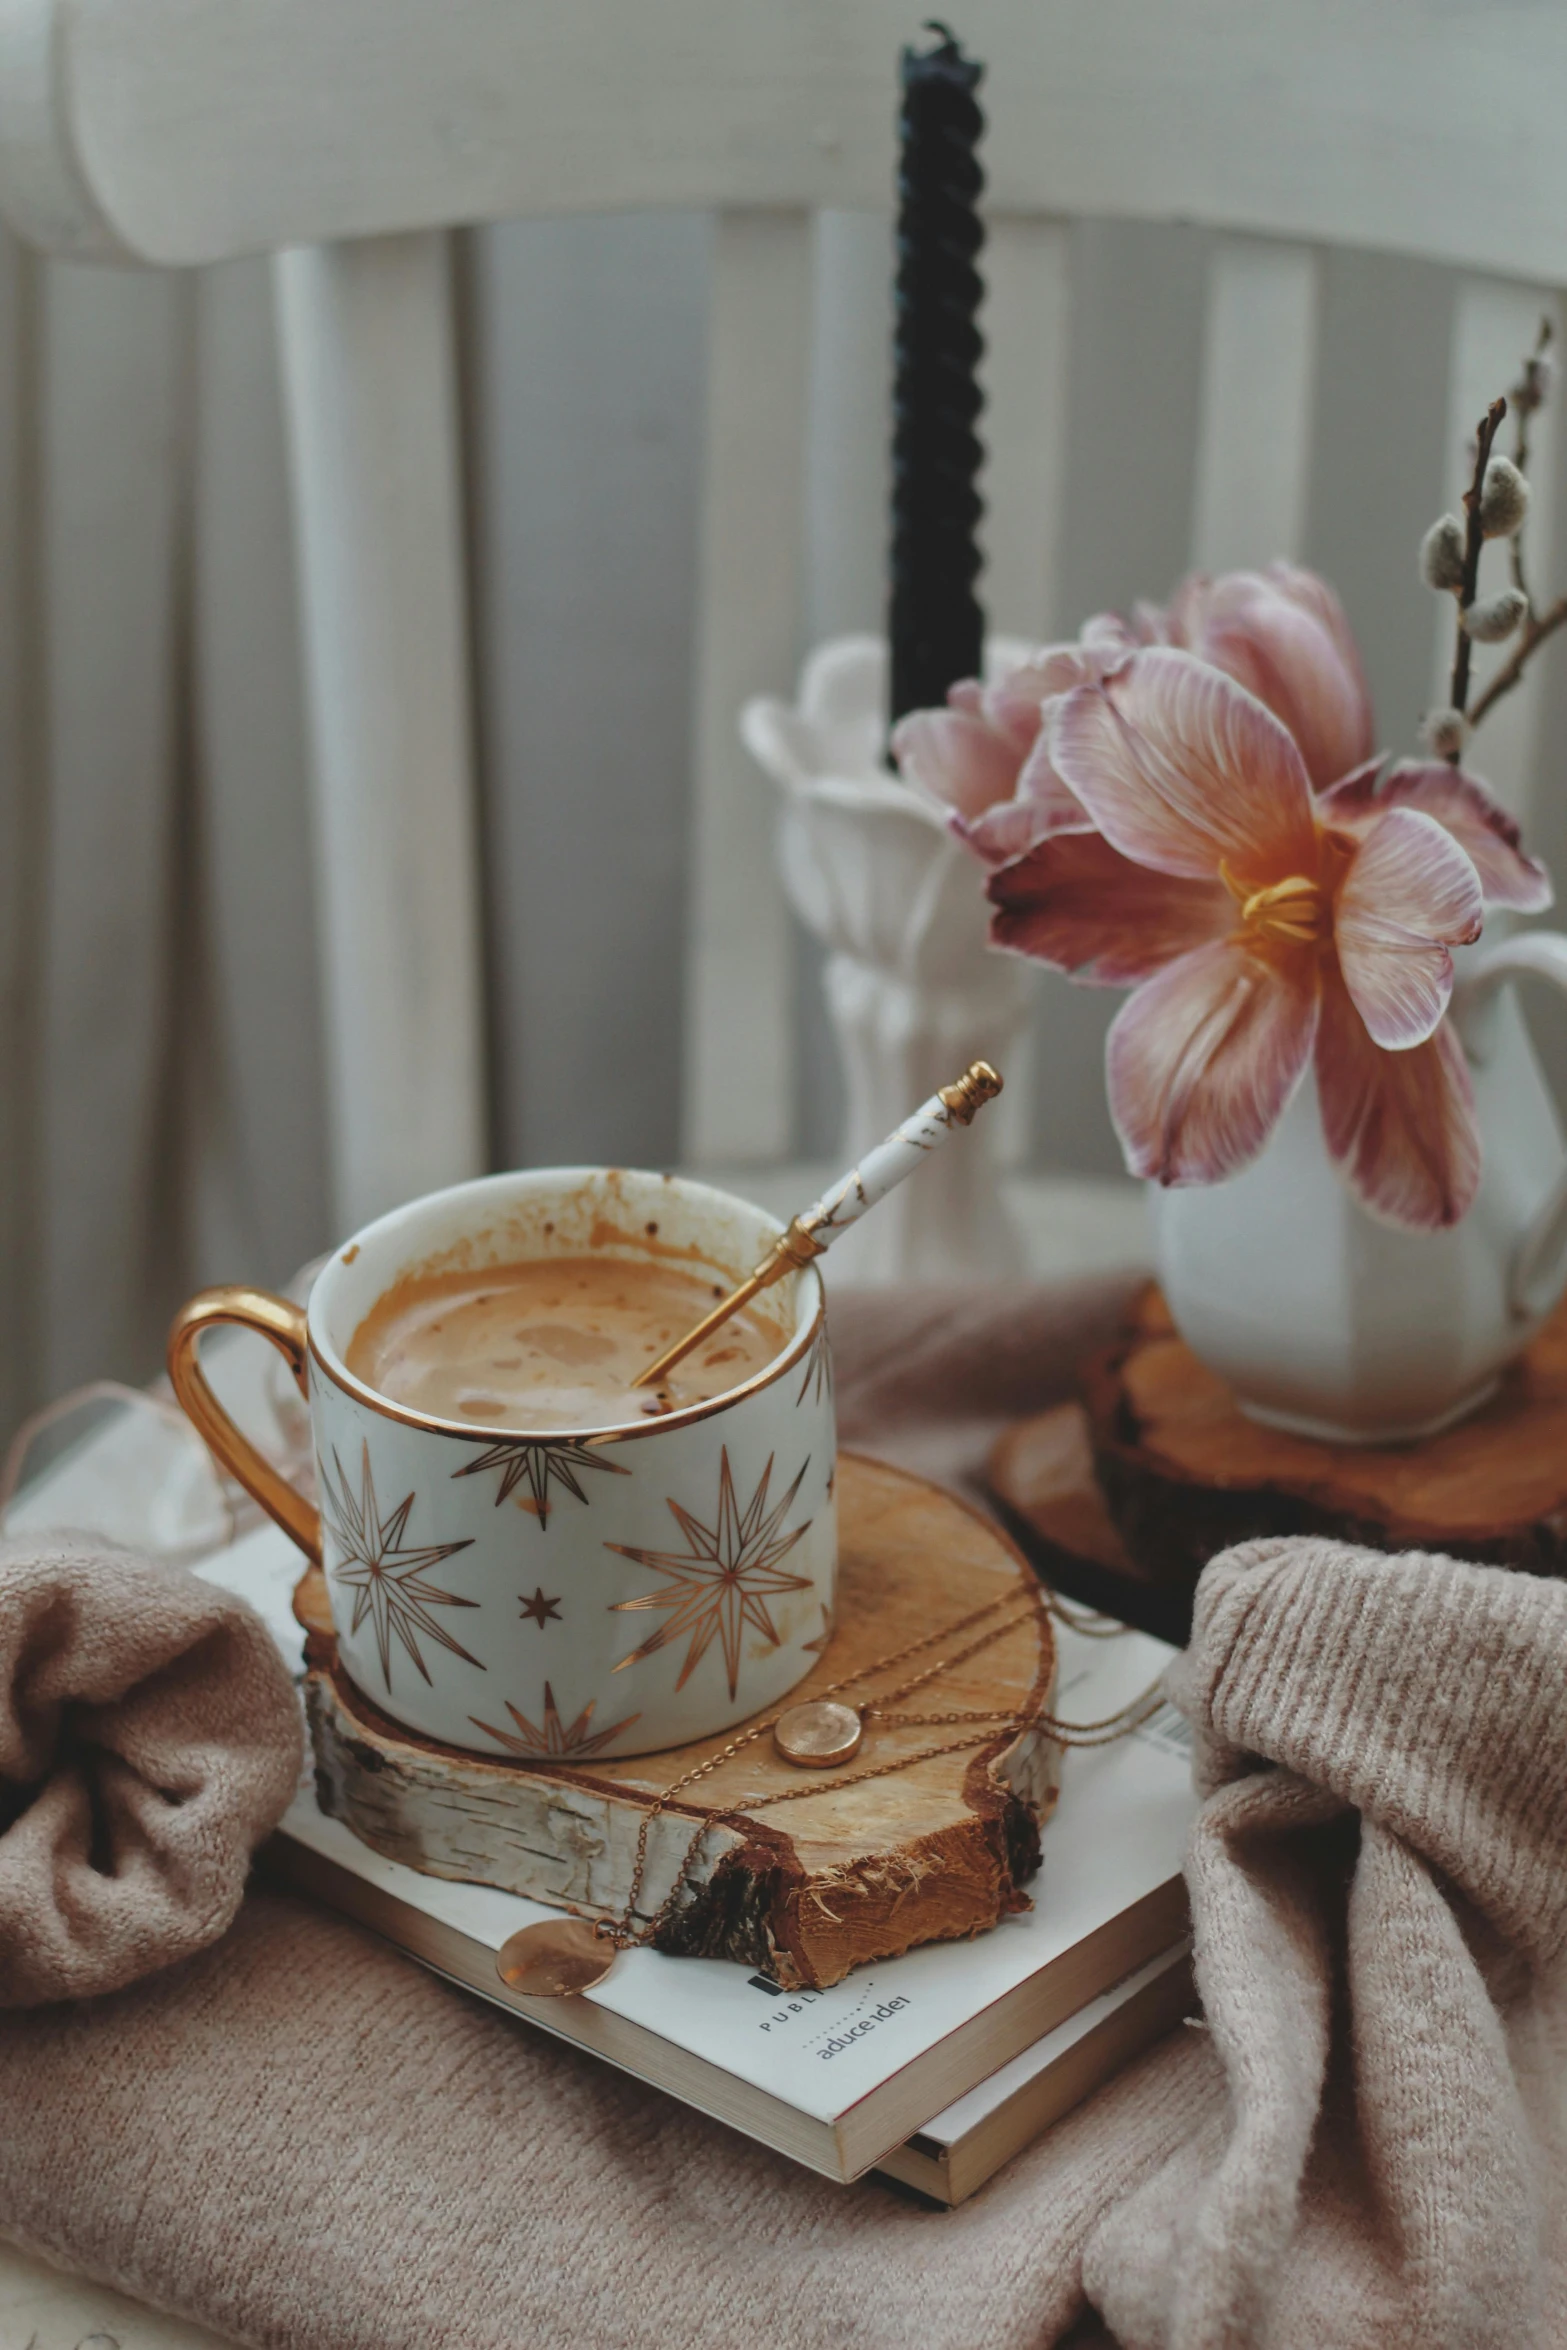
(979, 2105)
(953, 2154)
(839, 2077)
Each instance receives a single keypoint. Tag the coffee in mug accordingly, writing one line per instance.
(554, 1342)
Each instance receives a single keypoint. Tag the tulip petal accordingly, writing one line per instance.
(1400, 1126)
(1002, 834)
(1203, 1058)
(1041, 805)
(956, 757)
(1182, 770)
(1311, 591)
(1354, 797)
(1410, 892)
(1151, 624)
(1462, 806)
(1060, 809)
(1014, 704)
(1283, 635)
(1108, 635)
(1076, 903)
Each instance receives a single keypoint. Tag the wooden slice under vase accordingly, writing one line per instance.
(1123, 1498)
(1043, 1482)
(807, 1889)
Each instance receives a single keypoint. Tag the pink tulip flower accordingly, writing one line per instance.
(986, 754)
(1282, 633)
(1462, 806)
(1261, 930)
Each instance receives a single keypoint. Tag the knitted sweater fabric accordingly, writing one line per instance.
(149, 1738)
(1379, 1895)
(303, 2140)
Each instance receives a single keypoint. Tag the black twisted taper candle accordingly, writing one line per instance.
(936, 624)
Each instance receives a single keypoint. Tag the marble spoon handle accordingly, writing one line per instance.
(883, 1168)
(845, 1202)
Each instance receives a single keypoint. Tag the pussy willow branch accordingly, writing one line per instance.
(1526, 395)
(1474, 540)
(1515, 563)
(1535, 632)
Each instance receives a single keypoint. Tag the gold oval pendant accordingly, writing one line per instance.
(818, 1735)
(556, 1959)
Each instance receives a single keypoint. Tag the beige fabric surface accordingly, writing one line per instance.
(307, 2142)
(927, 1377)
(304, 2140)
(1379, 1896)
(149, 1740)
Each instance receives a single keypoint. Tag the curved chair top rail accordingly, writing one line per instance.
(184, 131)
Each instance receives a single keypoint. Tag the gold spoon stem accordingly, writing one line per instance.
(851, 1197)
(790, 1250)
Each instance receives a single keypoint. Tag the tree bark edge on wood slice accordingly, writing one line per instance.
(1185, 1474)
(1041, 1478)
(935, 1852)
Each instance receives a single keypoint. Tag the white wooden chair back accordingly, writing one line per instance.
(347, 135)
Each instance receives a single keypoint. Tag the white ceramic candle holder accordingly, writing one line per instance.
(913, 988)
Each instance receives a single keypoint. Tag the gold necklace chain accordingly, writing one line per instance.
(624, 1936)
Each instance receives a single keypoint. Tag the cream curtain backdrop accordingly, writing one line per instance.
(160, 1072)
(161, 1090)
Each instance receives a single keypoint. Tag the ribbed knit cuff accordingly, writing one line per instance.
(1429, 1695)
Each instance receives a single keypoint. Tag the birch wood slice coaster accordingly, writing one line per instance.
(1159, 1469)
(809, 1888)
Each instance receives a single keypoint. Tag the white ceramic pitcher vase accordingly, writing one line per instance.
(1331, 1324)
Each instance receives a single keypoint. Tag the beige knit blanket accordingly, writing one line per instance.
(149, 1738)
(302, 2139)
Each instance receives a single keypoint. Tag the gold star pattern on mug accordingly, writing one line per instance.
(386, 1579)
(526, 1459)
(817, 1367)
(823, 1641)
(542, 1610)
(553, 1739)
(724, 1579)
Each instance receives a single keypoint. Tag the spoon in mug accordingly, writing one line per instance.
(810, 1234)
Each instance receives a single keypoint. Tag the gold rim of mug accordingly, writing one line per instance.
(591, 1437)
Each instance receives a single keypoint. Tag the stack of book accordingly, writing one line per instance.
(932, 2069)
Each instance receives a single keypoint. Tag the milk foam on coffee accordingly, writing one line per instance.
(553, 1343)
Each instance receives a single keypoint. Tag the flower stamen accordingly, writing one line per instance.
(1294, 909)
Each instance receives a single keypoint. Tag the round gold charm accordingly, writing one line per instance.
(554, 1960)
(818, 1735)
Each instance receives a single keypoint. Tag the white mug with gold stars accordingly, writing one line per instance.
(555, 1595)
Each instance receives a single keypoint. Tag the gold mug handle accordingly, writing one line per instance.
(280, 1320)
